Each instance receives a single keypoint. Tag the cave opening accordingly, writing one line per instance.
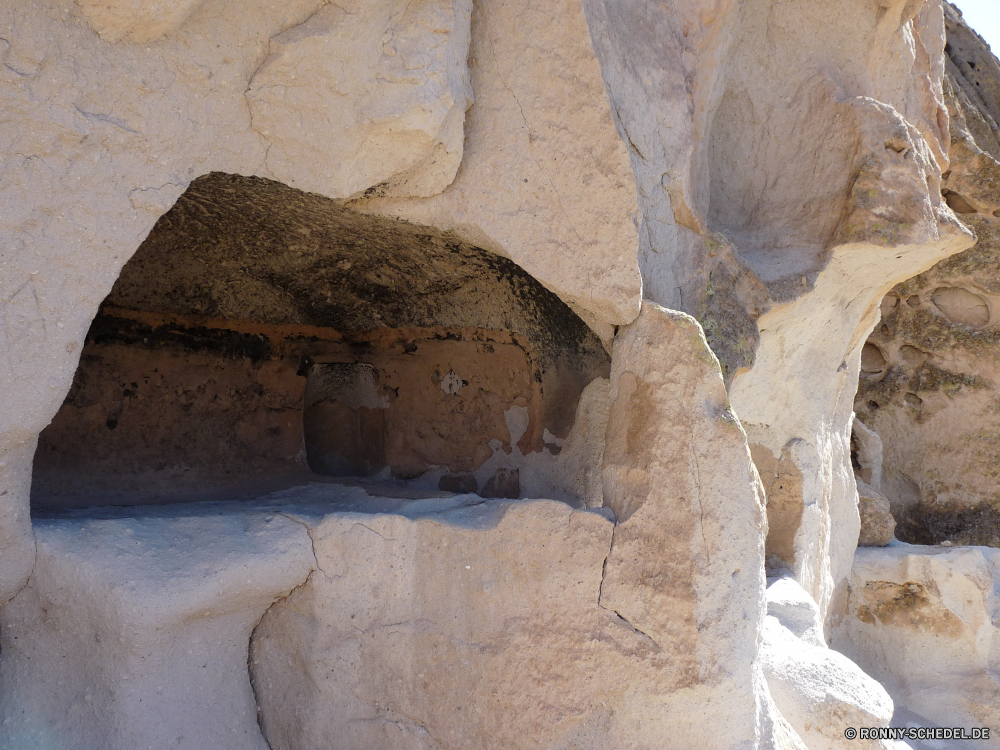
(263, 337)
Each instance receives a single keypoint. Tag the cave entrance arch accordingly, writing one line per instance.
(262, 336)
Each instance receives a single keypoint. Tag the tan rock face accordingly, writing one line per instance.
(877, 523)
(545, 179)
(360, 657)
(823, 187)
(391, 111)
(931, 398)
(918, 619)
(819, 692)
(675, 507)
(975, 70)
(136, 21)
(782, 482)
(570, 629)
(107, 147)
(133, 629)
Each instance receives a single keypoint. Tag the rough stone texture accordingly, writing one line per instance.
(786, 167)
(188, 375)
(391, 112)
(100, 138)
(132, 631)
(782, 482)
(136, 21)
(975, 70)
(810, 140)
(571, 630)
(794, 609)
(921, 620)
(866, 452)
(877, 523)
(820, 692)
(678, 475)
(500, 644)
(545, 179)
(929, 388)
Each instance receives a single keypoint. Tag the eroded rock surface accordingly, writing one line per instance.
(113, 108)
(545, 178)
(781, 199)
(786, 171)
(929, 386)
(132, 631)
(920, 620)
(818, 691)
(392, 110)
(570, 629)
(877, 523)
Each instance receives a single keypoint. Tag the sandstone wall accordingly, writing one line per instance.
(786, 171)
(921, 620)
(571, 629)
(787, 164)
(928, 371)
(110, 116)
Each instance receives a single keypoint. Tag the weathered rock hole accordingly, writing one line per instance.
(961, 306)
(898, 145)
(873, 361)
(912, 356)
(958, 204)
(913, 399)
(261, 336)
(888, 304)
(913, 301)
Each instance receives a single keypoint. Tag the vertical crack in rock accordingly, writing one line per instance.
(600, 593)
(604, 566)
(697, 493)
(277, 603)
(265, 57)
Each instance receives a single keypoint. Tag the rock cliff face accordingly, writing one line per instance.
(929, 370)
(521, 342)
(920, 619)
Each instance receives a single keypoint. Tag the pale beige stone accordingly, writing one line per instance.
(877, 523)
(779, 399)
(496, 624)
(921, 621)
(821, 692)
(545, 179)
(815, 152)
(501, 642)
(136, 21)
(367, 95)
(868, 445)
(96, 152)
(99, 150)
(689, 504)
(934, 401)
(132, 631)
(818, 691)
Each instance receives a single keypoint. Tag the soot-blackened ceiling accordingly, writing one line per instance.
(247, 248)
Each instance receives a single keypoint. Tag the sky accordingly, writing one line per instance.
(984, 17)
